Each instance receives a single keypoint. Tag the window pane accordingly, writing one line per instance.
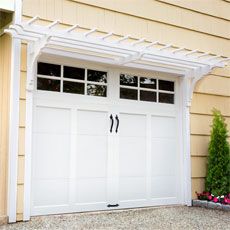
(166, 98)
(96, 90)
(74, 73)
(73, 87)
(147, 83)
(128, 93)
(128, 80)
(166, 85)
(148, 96)
(49, 69)
(97, 76)
(48, 84)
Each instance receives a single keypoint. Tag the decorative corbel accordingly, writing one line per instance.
(35, 50)
(193, 77)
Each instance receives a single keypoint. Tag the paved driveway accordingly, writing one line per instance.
(150, 218)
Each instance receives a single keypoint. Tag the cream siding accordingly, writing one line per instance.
(153, 22)
(206, 85)
(215, 8)
(166, 13)
(5, 55)
(177, 22)
(213, 91)
(211, 101)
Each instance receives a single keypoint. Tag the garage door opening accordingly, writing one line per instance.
(104, 138)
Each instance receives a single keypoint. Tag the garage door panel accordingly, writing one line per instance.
(132, 188)
(91, 156)
(132, 157)
(51, 155)
(163, 157)
(163, 127)
(132, 125)
(50, 192)
(52, 120)
(163, 186)
(92, 122)
(91, 190)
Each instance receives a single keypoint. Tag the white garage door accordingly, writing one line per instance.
(104, 139)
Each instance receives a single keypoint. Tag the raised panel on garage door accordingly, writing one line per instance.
(51, 151)
(164, 160)
(91, 157)
(132, 159)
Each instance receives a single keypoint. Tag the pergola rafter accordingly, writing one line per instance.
(122, 51)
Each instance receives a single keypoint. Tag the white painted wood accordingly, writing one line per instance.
(76, 157)
(7, 5)
(13, 129)
(28, 138)
(17, 4)
(186, 146)
(51, 153)
(111, 52)
(132, 158)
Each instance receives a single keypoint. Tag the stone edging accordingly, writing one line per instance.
(210, 205)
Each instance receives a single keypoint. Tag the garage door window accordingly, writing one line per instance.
(52, 81)
(98, 88)
(146, 89)
(70, 79)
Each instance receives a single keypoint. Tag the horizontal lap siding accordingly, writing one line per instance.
(206, 85)
(127, 20)
(182, 23)
(215, 8)
(166, 13)
(220, 102)
(5, 55)
(213, 91)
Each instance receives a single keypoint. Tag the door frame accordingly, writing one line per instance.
(184, 127)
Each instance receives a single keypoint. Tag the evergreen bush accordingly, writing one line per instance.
(218, 172)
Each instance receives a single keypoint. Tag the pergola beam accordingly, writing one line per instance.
(122, 53)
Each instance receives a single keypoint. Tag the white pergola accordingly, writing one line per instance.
(111, 49)
(101, 47)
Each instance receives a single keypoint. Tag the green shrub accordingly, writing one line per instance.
(218, 172)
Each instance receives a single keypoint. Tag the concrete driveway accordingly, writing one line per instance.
(176, 217)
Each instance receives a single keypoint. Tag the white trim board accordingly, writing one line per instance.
(13, 129)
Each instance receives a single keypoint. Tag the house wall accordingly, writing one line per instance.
(211, 92)
(5, 56)
(152, 19)
(191, 24)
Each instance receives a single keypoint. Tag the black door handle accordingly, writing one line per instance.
(112, 205)
(111, 127)
(117, 123)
